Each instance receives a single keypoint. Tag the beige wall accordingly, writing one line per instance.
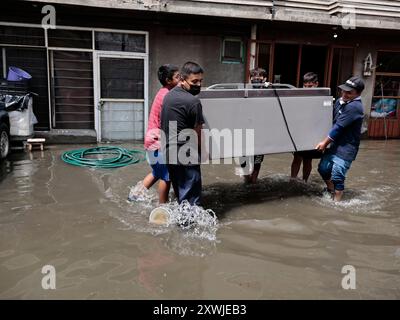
(174, 46)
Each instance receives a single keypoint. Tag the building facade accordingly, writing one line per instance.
(95, 72)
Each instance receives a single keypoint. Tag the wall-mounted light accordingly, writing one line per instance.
(334, 29)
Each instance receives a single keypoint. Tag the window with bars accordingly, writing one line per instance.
(113, 41)
(386, 98)
(70, 38)
(22, 36)
(232, 50)
(122, 78)
(72, 89)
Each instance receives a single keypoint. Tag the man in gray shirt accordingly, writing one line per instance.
(181, 123)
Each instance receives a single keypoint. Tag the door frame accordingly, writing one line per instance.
(97, 55)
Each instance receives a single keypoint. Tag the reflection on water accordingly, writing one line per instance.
(5, 169)
(280, 238)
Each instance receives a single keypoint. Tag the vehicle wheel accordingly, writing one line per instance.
(4, 141)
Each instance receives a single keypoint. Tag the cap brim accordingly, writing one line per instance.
(345, 87)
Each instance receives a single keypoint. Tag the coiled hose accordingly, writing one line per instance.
(122, 157)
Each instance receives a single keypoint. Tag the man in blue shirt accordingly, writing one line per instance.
(344, 137)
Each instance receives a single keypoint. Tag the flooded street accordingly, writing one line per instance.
(278, 239)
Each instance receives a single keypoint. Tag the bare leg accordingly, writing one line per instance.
(163, 191)
(338, 195)
(247, 178)
(307, 167)
(255, 173)
(149, 180)
(254, 176)
(296, 163)
(330, 185)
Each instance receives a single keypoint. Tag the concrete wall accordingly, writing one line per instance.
(173, 45)
(373, 14)
(361, 53)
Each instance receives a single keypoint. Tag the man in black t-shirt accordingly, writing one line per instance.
(181, 123)
(258, 78)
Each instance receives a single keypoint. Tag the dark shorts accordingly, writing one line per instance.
(186, 181)
(257, 160)
(158, 166)
(309, 154)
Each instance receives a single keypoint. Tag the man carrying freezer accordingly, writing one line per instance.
(181, 123)
(344, 137)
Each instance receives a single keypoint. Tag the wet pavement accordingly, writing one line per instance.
(279, 239)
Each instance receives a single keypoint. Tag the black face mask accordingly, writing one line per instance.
(257, 83)
(194, 90)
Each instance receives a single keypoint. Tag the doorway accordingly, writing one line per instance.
(121, 86)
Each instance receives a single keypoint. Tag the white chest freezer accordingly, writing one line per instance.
(280, 120)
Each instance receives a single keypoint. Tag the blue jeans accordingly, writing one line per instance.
(186, 181)
(333, 168)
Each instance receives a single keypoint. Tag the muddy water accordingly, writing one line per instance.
(277, 239)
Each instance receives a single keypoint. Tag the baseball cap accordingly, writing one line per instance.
(353, 83)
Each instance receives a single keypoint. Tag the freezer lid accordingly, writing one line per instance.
(263, 93)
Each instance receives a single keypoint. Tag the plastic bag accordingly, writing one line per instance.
(22, 121)
(13, 102)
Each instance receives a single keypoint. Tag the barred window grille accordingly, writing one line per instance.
(232, 50)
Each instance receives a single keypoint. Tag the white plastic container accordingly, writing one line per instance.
(160, 215)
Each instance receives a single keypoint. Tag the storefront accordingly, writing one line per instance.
(288, 52)
(384, 117)
(86, 68)
(287, 62)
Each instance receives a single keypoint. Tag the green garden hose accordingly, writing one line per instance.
(122, 157)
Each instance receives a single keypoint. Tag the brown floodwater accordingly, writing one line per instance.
(279, 239)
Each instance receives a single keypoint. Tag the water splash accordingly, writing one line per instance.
(191, 231)
(368, 201)
(200, 222)
(140, 193)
